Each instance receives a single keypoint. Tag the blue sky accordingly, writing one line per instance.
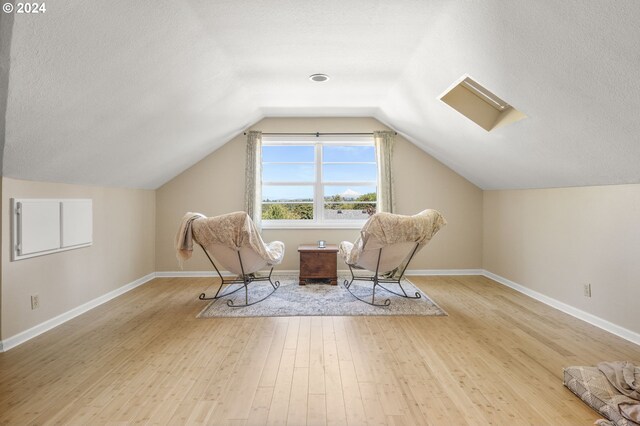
(330, 153)
(301, 172)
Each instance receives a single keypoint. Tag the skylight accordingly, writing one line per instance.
(480, 105)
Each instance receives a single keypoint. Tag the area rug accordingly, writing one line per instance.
(292, 299)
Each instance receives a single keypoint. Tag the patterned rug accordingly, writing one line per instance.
(292, 299)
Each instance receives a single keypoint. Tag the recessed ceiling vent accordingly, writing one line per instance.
(319, 78)
(480, 105)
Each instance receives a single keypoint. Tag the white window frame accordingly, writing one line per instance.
(318, 204)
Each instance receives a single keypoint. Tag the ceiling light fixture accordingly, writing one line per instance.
(318, 77)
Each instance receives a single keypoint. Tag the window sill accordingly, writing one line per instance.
(312, 225)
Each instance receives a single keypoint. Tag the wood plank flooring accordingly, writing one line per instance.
(144, 358)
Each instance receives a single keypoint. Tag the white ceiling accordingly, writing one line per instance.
(123, 93)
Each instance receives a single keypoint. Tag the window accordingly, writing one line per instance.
(318, 182)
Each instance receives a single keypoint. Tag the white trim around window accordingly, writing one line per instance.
(317, 185)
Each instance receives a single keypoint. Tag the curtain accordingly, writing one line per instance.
(253, 178)
(384, 152)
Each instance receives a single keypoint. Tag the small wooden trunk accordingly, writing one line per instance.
(318, 263)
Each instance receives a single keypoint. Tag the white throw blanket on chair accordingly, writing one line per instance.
(384, 229)
(233, 230)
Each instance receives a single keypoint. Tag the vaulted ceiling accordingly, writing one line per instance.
(131, 93)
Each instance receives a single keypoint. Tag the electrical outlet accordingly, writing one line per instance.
(35, 301)
(587, 290)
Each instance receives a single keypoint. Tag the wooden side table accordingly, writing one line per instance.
(318, 263)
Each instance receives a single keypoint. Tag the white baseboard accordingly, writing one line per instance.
(206, 274)
(430, 272)
(568, 309)
(22, 337)
(417, 272)
(190, 274)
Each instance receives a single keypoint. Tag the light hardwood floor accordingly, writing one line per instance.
(145, 358)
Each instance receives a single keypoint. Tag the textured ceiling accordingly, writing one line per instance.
(132, 93)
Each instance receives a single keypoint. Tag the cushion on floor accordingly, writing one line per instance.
(591, 386)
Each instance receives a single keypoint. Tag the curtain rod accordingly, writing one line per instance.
(318, 134)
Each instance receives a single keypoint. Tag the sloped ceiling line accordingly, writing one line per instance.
(6, 29)
(151, 92)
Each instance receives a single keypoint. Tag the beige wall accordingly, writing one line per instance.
(554, 241)
(1, 265)
(215, 186)
(123, 250)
